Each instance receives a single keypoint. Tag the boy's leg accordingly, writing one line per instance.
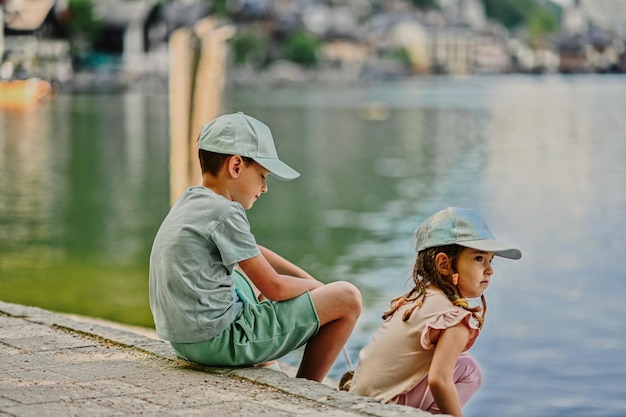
(243, 283)
(338, 307)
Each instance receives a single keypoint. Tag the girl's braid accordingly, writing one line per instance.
(415, 294)
(425, 272)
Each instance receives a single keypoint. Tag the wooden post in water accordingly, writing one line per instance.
(198, 60)
(179, 109)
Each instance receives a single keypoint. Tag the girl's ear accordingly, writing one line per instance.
(443, 264)
(233, 165)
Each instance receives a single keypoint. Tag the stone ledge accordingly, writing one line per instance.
(302, 388)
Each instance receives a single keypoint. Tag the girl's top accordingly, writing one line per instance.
(400, 353)
(192, 293)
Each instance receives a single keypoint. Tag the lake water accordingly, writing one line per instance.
(83, 187)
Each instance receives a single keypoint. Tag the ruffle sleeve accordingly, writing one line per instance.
(446, 320)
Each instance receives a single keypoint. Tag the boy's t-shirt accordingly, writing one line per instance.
(199, 243)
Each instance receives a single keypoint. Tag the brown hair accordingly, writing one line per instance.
(424, 273)
(212, 162)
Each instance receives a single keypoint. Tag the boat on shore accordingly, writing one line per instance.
(24, 93)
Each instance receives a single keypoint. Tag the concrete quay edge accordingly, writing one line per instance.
(345, 403)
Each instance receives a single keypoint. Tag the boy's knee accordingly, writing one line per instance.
(351, 295)
(337, 300)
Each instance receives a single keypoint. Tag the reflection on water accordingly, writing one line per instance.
(83, 187)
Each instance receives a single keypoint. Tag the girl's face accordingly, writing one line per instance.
(475, 271)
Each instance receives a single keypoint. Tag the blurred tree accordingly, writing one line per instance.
(219, 6)
(83, 27)
(424, 4)
(250, 47)
(539, 24)
(302, 48)
(82, 18)
(536, 16)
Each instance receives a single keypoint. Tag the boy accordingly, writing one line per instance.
(202, 304)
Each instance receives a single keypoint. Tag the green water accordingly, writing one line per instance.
(83, 184)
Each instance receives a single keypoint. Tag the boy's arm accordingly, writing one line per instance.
(282, 265)
(275, 286)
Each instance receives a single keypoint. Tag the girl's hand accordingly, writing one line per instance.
(450, 344)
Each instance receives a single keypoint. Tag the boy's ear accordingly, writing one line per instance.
(443, 264)
(233, 165)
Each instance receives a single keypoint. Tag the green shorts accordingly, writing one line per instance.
(262, 331)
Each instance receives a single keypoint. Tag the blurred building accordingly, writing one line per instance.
(24, 55)
(593, 36)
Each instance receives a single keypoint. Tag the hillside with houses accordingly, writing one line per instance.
(113, 42)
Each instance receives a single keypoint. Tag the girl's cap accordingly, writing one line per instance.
(463, 227)
(239, 134)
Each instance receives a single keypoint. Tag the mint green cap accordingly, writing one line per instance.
(464, 227)
(240, 134)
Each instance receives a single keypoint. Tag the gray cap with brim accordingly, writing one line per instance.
(462, 227)
(240, 134)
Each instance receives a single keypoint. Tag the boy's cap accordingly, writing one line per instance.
(239, 134)
(463, 227)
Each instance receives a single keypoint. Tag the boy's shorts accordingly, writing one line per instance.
(262, 331)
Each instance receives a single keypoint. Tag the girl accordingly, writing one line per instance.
(417, 356)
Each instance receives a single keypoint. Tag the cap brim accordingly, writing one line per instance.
(278, 168)
(498, 248)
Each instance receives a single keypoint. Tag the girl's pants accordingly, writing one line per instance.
(467, 379)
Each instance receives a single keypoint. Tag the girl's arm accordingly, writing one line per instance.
(283, 266)
(450, 344)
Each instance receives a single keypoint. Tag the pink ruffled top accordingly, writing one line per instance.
(400, 353)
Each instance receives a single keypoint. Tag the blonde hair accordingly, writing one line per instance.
(425, 273)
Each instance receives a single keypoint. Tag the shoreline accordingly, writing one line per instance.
(58, 365)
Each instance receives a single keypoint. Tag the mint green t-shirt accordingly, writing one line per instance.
(194, 253)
